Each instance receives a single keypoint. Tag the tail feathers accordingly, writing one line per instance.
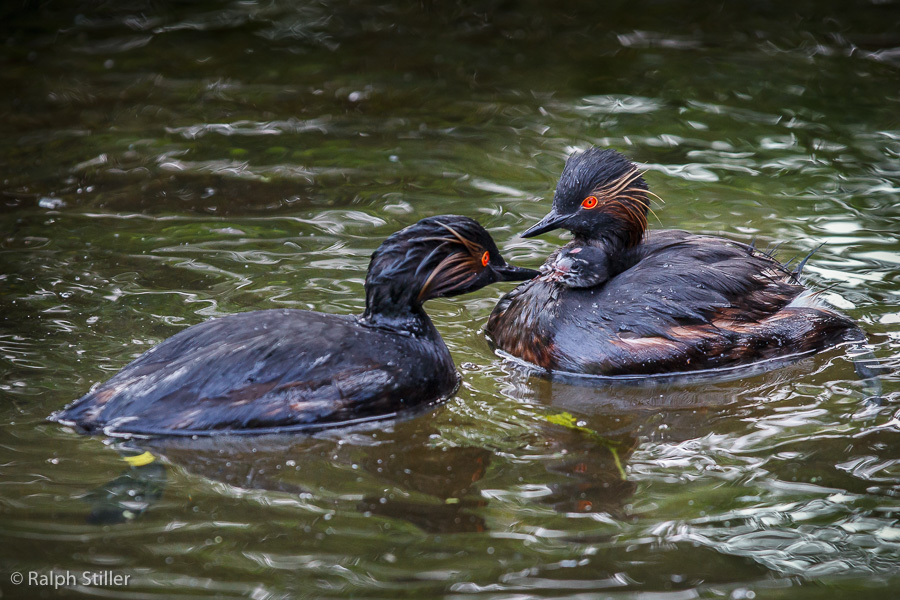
(771, 250)
(82, 415)
(796, 272)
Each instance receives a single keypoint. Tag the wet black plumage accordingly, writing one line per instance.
(619, 300)
(277, 370)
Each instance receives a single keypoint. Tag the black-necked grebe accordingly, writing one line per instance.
(618, 300)
(278, 370)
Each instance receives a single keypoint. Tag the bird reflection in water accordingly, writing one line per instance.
(591, 432)
(400, 472)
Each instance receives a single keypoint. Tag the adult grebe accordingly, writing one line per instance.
(280, 370)
(618, 300)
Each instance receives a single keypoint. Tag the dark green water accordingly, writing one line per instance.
(163, 163)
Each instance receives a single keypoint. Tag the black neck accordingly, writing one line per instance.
(611, 241)
(396, 307)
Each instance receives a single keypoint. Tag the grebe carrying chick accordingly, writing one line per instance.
(621, 301)
(287, 370)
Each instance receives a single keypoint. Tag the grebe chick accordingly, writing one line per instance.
(282, 370)
(577, 267)
(618, 300)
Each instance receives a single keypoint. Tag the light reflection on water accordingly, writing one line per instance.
(158, 176)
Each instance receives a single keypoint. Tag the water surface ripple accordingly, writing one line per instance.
(165, 164)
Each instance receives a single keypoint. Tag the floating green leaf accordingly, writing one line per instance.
(565, 419)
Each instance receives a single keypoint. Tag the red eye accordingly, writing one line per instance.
(589, 202)
(485, 258)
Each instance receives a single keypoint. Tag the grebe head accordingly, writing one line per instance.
(600, 196)
(578, 267)
(439, 256)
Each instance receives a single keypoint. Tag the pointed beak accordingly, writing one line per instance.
(550, 222)
(513, 273)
